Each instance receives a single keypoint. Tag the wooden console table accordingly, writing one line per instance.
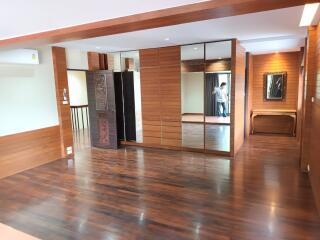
(278, 112)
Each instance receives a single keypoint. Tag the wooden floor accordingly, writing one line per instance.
(137, 193)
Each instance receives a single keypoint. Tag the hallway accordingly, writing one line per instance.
(137, 193)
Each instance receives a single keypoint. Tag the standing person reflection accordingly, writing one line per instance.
(221, 98)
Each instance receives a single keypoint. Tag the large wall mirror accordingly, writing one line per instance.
(217, 95)
(206, 96)
(192, 95)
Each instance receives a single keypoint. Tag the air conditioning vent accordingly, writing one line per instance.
(19, 56)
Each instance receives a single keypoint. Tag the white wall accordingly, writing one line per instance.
(27, 96)
(192, 87)
(78, 94)
(77, 88)
(77, 59)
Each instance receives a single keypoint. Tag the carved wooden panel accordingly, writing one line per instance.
(102, 109)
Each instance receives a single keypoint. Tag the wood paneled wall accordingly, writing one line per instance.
(27, 150)
(99, 61)
(93, 61)
(249, 93)
(61, 80)
(161, 96)
(198, 65)
(311, 129)
(311, 75)
(238, 67)
(300, 99)
(289, 62)
(278, 62)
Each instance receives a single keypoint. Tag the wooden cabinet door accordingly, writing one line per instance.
(102, 109)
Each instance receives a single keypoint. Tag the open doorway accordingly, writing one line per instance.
(77, 81)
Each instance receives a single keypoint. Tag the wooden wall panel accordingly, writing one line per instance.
(27, 150)
(249, 93)
(198, 65)
(149, 58)
(278, 62)
(300, 99)
(161, 96)
(93, 61)
(311, 144)
(237, 96)
(61, 80)
(150, 96)
(170, 95)
(289, 62)
(310, 83)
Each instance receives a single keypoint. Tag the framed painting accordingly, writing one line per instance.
(275, 86)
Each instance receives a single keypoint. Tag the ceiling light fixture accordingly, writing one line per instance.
(308, 14)
(195, 48)
(167, 39)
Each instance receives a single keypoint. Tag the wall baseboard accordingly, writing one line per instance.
(23, 151)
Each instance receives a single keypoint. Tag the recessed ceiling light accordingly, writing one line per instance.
(195, 48)
(167, 39)
(308, 14)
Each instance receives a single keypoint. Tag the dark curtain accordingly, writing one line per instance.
(125, 105)
(129, 105)
(119, 104)
(212, 81)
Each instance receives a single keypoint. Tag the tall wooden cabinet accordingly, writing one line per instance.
(161, 96)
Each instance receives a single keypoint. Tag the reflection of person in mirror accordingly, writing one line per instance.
(221, 98)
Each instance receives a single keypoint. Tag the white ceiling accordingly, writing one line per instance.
(279, 30)
(21, 17)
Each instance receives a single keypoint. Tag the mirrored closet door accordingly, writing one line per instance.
(217, 95)
(192, 96)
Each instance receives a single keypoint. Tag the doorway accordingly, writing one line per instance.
(78, 97)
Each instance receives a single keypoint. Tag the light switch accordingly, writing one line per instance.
(69, 150)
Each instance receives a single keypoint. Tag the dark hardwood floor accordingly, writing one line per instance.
(136, 193)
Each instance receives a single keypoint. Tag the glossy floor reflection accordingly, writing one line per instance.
(137, 193)
(217, 136)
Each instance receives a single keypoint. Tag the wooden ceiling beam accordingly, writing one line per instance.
(172, 16)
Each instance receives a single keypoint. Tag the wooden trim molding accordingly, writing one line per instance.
(62, 92)
(199, 65)
(237, 125)
(171, 16)
(23, 151)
